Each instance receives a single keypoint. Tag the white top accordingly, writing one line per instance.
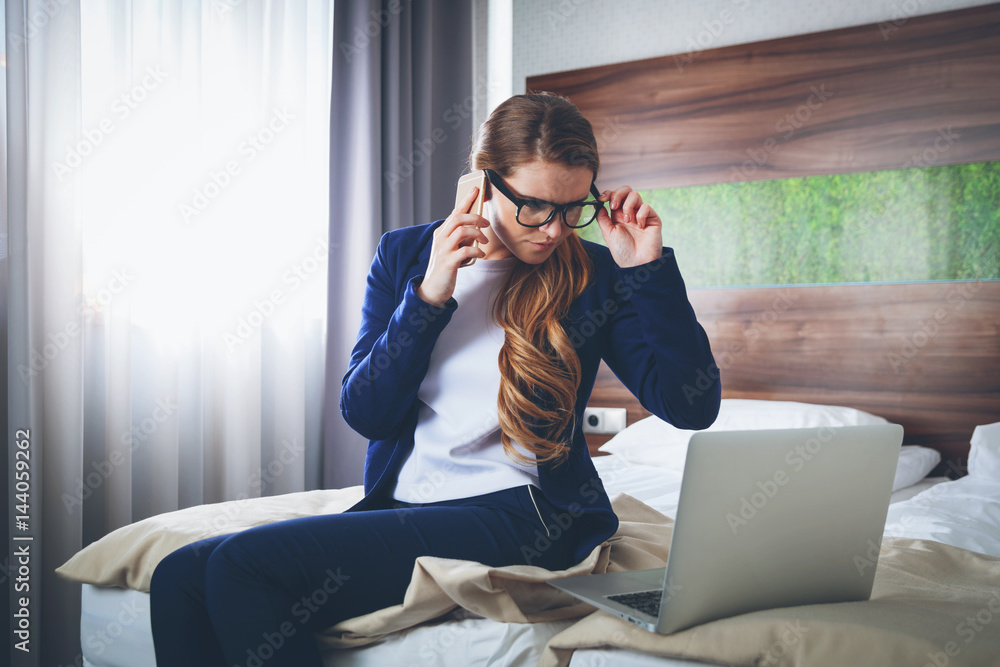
(457, 452)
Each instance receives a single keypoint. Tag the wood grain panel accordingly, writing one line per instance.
(924, 355)
(921, 93)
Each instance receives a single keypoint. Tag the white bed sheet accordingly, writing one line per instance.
(463, 643)
(964, 513)
(115, 629)
(115, 632)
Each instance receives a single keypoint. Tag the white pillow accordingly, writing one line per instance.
(653, 441)
(984, 457)
(656, 442)
(914, 464)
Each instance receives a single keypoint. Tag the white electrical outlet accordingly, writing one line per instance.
(604, 421)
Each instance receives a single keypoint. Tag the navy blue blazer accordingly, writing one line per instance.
(637, 319)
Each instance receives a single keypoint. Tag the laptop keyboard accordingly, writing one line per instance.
(645, 601)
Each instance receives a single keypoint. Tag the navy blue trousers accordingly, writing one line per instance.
(255, 598)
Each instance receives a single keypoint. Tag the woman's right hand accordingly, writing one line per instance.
(451, 246)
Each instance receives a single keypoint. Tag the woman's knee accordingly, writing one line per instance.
(175, 567)
(182, 568)
(231, 557)
(174, 576)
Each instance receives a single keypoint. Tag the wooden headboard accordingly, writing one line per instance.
(924, 355)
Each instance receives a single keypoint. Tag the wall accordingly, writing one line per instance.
(557, 35)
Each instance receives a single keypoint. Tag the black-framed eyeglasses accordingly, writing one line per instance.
(538, 213)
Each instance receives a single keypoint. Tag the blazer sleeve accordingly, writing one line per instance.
(393, 349)
(658, 349)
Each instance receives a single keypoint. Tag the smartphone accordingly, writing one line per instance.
(474, 179)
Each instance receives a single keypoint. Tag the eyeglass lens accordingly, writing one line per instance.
(539, 213)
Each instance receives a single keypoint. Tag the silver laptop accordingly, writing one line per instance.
(765, 519)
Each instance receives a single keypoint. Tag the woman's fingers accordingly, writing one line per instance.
(626, 206)
(461, 229)
(631, 228)
(622, 203)
(452, 246)
(466, 203)
(604, 222)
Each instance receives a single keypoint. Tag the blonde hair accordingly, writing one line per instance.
(539, 368)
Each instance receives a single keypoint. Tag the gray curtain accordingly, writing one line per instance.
(401, 127)
(37, 408)
(125, 414)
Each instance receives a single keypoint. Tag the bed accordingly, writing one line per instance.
(641, 469)
(790, 355)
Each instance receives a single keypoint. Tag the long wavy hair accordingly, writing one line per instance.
(539, 368)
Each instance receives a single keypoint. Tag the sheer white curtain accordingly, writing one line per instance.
(204, 217)
(168, 219)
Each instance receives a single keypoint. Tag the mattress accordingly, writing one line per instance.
(115, 632)
(115, 628)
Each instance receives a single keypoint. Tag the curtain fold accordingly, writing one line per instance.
(167, 210)
(45, 343)
(400, 131)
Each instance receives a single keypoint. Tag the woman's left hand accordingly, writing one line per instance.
(633, 230)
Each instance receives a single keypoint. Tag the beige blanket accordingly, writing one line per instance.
(932, 604)
(513, 594)
(127, 557)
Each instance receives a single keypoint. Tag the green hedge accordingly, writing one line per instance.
(934, 223)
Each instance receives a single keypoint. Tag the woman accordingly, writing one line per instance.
(470, 382)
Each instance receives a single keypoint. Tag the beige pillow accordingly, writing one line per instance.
(127, 557)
